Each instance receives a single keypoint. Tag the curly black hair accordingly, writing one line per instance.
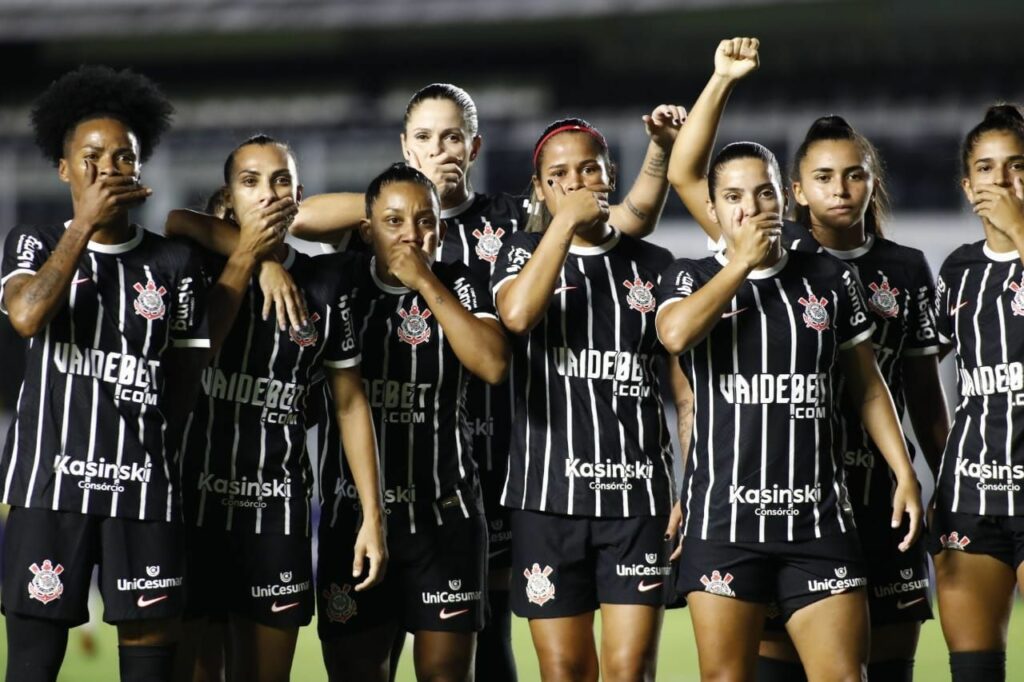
(94, 92)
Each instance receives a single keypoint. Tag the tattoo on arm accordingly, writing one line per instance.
(658, 165)
(634, 210)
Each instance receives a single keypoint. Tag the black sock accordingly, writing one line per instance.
(978, 666)
(494, 659)
(396, 653)
(147, 663)
(894, 670)
(35, 648)
(774, 670)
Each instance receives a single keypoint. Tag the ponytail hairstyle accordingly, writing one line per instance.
(453, 94)
(836, 128)
(1000, 117)
(539, 216)
(260, 140)
(742, 150)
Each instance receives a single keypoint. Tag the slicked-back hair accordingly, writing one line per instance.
(397, 172)
(452, 93)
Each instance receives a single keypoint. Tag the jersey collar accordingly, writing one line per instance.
(762, 273)
(604, 247)
(456, 211)
(999, 256)
(114, 249)
(853, 253)
(386, 288)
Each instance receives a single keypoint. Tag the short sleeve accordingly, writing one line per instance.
(512, 258)
(853, 325)
(343, 349)
(189, 324)
(922, 334)
(24, 253)
(472, 293)
(678, 281)
(943, 321)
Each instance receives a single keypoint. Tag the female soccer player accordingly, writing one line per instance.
(116, 321)
(246, 475)
(773, 337)
(977, 528)
(425, 326)
(841, 204)
(590, 475)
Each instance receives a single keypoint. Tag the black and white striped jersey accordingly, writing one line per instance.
(89, 433)
(901, 298)
(476, 231)
(980, 309)
(244, 461)
(765, 461)
(416, 387)
(588, 432)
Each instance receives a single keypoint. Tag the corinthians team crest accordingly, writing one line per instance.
(718, 584)
(815, 315)
(640, 297)
(414, 329)
(539, 588)
(150, 301)
(306, 335)
(1017, 303)
(883, 299)
(45, 585)
(340, 604)
(488, 243)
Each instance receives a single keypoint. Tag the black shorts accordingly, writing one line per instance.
(786, 575)
(1001, 537)
(898, 582)
(568, 565)
(436, 578)
(49, 557)
(266, 578)
(499, 524)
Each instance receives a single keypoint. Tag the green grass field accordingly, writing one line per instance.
(677, 663)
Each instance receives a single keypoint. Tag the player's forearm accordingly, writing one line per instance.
(33, 300)
(691, 153)
(639, 212)
(524, 300)
(479, 345)
(926, 405)
(360, 443)
(212, 233)
(226, 295)
(326, 217)
(685, 322)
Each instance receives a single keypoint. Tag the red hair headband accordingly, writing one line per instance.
(573, 128)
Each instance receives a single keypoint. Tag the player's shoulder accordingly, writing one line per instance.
(174, 253)
(523, 240)
(890, 251)
(454, 272)
(650, 254)
(965, 256)
(46, 234)
(816, 263)
(501, 205)
(702, 269)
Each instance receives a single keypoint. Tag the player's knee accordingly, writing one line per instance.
(568, 669)
(625, 664)
(148, 632)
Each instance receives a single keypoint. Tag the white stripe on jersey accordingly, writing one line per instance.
(95, 383)
(1009, 404)
(983, 420)
(68, 382)
(764, 407)
(209, 446)
(711, 436)
(39, 428)
(238, 405)
(817, 442)
(792, 423)
(263, 439)
(121, 312)
(590, 388)
(568, 399)
(547, 430)
(142, 415)
(737, 425)
(615, 400)
(639, 417)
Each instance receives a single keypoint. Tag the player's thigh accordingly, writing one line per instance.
(444, 656)
(831, 636)
(565, 647)
(727, 631)
(259, 652)
(629, 641)
(975, 594)
(362, 654)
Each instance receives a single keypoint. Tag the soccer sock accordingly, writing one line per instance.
(774, 670)
(894, 670)
(147, 663)
(494, 659)
(978, 666)
(35, 648)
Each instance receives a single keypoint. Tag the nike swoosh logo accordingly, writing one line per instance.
(274, 608)
(143, 602)
(732, 313)
(491, 555)
(644, 587)
(907, 604)
(561, 289)
(81, 280)
(445, 615)
(953, 309)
